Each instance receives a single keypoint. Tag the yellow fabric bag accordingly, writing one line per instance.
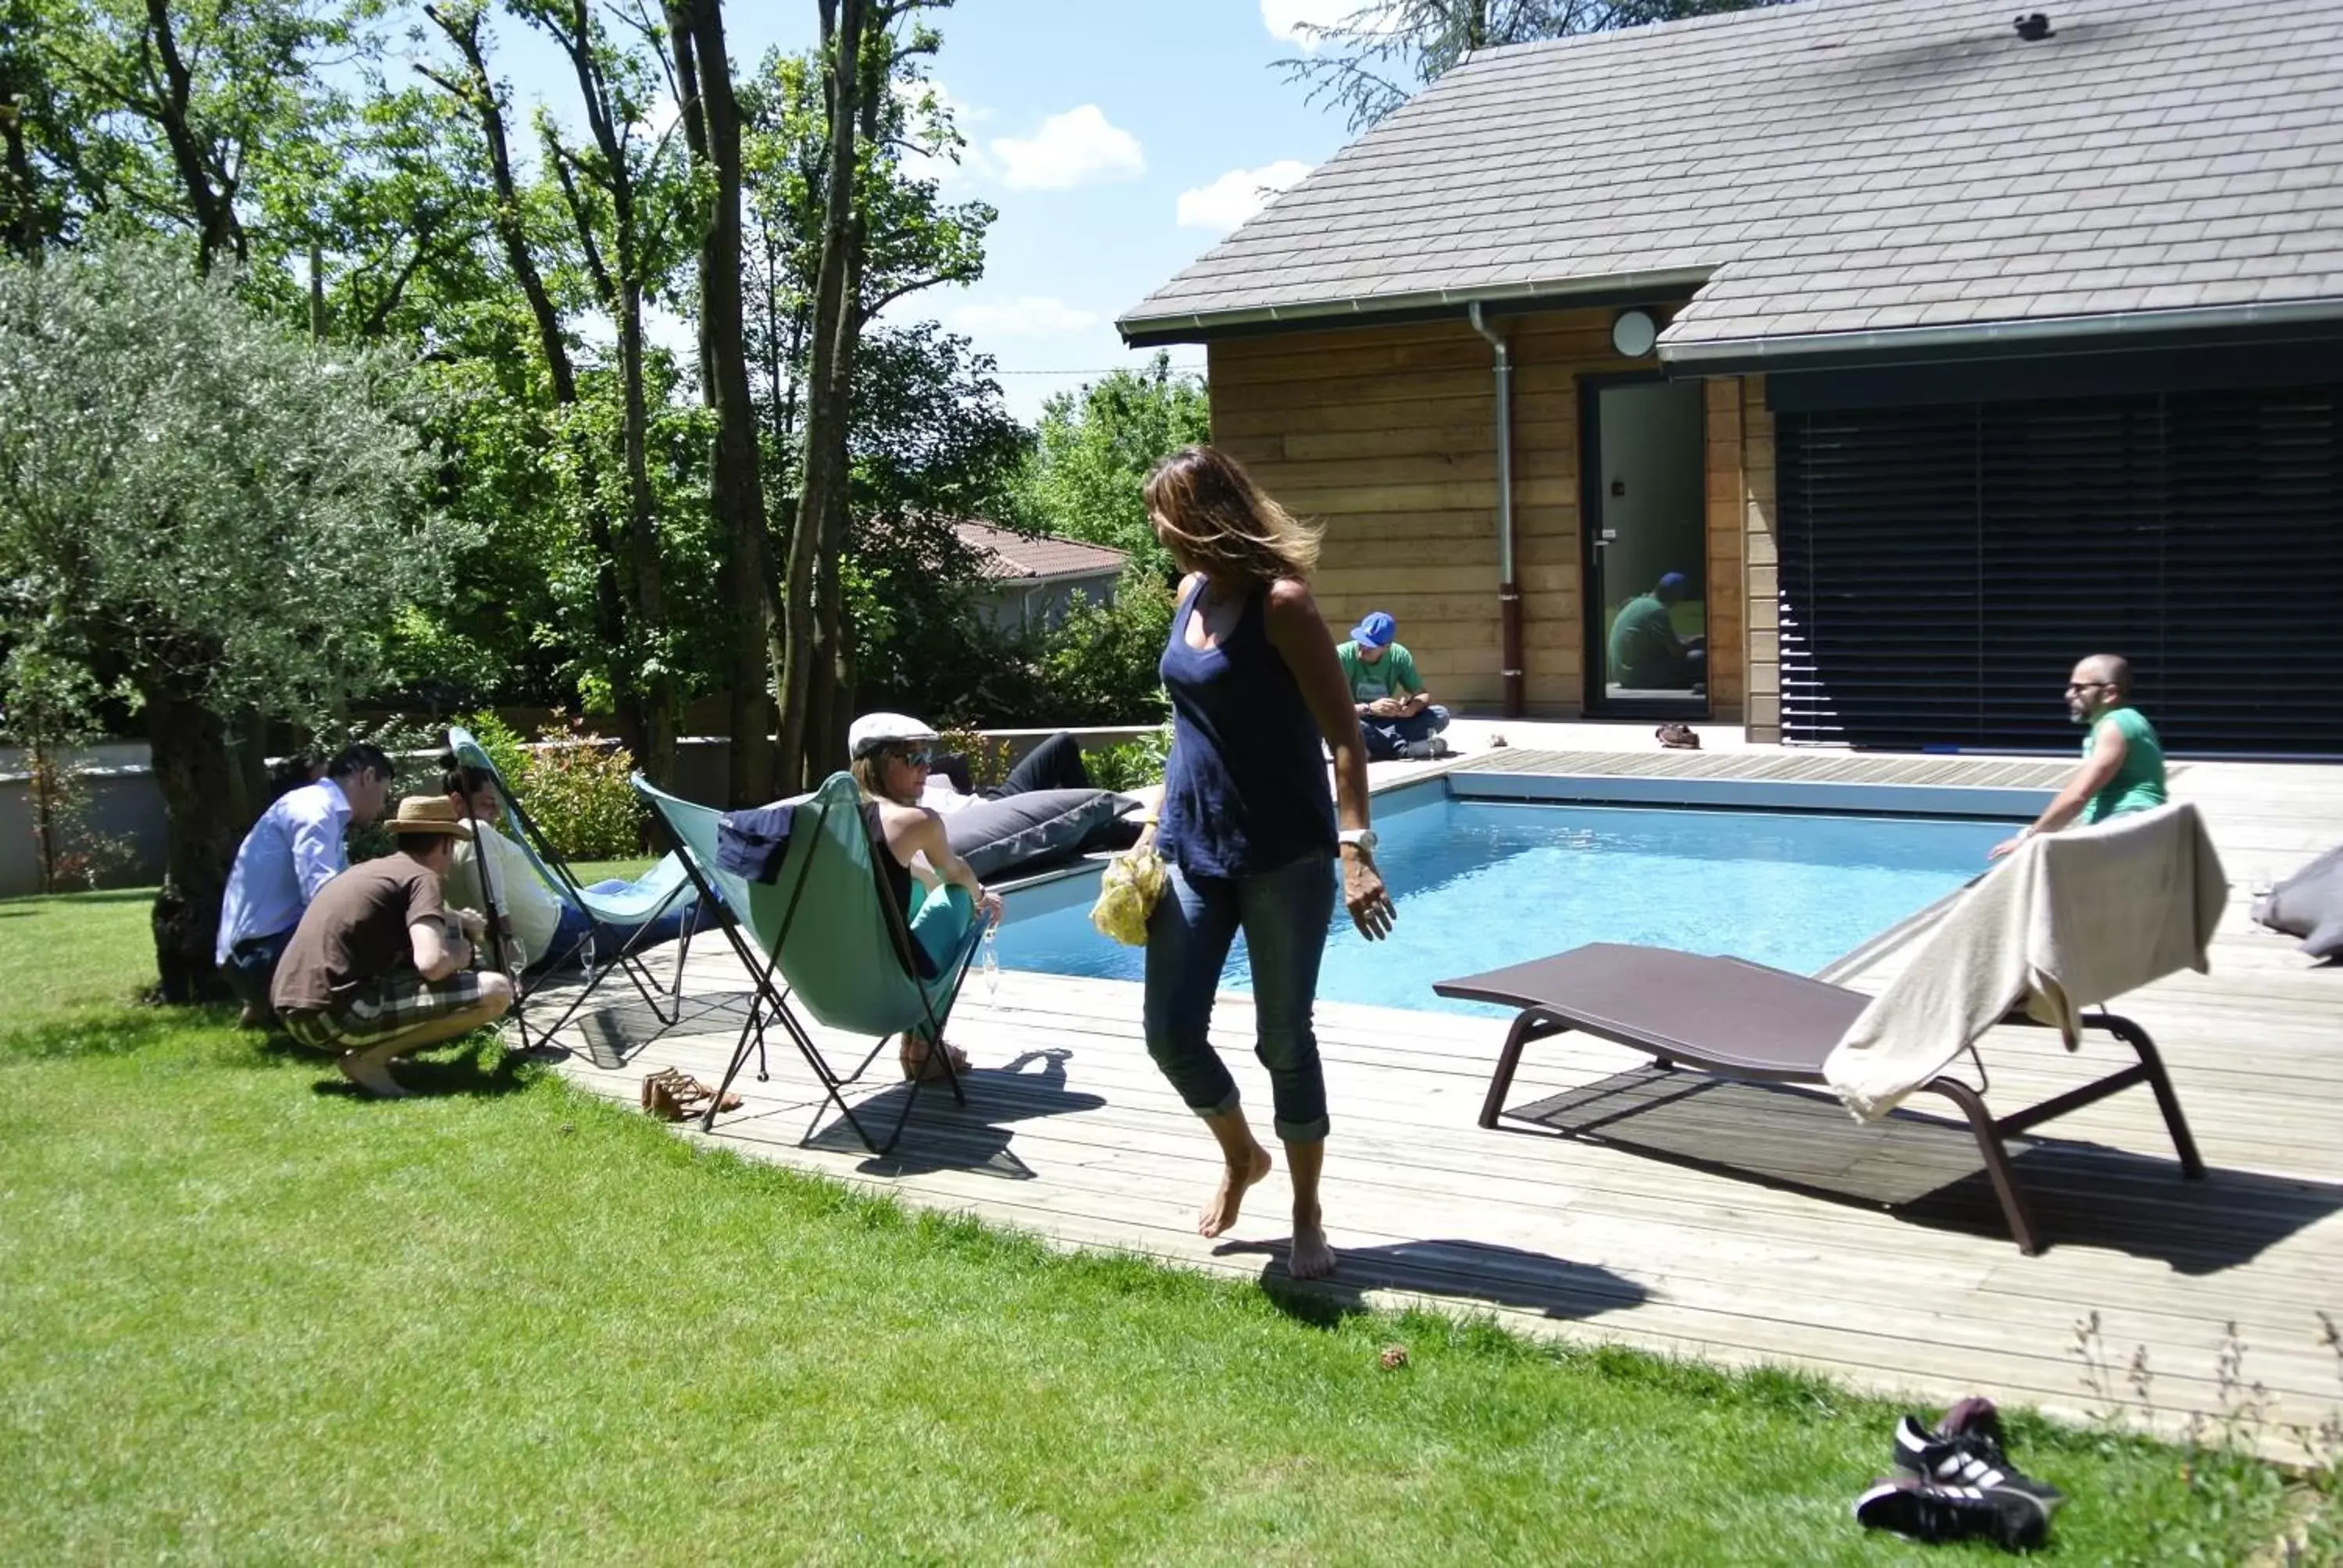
(1127, 890)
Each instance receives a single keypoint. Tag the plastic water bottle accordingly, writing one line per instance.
(991, 967)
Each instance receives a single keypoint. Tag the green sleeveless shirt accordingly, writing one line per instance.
(2138, 784)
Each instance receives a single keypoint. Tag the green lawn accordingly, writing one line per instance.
(247, 1317)
(589, 872)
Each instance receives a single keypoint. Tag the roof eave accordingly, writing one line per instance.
(1894, 345)
(1044, 579)
(1359, 310)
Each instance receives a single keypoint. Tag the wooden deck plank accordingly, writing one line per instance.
(1086, 1146)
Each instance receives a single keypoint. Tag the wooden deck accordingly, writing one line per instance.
(1069, 1132)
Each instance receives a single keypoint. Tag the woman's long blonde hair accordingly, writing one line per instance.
(1217, 520)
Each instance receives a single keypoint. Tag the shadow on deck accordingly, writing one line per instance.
(1928, 1171)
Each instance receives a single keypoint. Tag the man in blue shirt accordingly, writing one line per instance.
(292, 851)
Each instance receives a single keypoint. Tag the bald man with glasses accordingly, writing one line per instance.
(2123, 760)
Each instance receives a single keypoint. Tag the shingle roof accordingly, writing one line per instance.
(1834, 166)
(1006, 556)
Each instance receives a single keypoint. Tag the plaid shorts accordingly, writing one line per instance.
(383, 1008)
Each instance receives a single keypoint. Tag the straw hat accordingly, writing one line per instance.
(432, 814)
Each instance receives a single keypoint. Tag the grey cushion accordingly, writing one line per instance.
(994, 835)
(2310, 905)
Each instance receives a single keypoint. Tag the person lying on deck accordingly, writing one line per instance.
(545, 925)
(1055, 764)
(379, 967)
(2123, 760)
(938, 892)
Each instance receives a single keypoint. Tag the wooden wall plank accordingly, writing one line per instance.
(1385, 437)
(1762, 710)
(1725, 488)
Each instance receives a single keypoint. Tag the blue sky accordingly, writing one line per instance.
(1096, 128)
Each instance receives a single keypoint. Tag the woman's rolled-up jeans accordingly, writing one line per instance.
(1283, 914)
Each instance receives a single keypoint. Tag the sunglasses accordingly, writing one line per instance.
(918, 758)
(2088, 684)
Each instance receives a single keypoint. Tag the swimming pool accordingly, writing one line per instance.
(1481, 884)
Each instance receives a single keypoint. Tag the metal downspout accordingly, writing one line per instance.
(1509, 592)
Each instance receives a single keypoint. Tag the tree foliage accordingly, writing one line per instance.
(1098, 446)
(210, 117)
(1377, 56)
(193, 496)
(568, 511)
(203, 514)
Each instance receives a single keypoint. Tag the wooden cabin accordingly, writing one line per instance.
(1924, 355)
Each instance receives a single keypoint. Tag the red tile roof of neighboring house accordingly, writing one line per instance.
(1008, 556)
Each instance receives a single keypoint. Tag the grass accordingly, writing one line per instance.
(589, 873)
(248, 1317)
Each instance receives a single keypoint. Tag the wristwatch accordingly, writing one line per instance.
(1363, 837)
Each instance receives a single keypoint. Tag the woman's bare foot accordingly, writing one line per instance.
(371, 1075)
(1221, 1211)
(1310, 1258)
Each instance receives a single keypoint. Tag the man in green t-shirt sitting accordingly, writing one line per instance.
(2123, 761)
(1397, 716)
(1646, 654)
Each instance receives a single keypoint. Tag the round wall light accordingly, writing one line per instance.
(1633, 333)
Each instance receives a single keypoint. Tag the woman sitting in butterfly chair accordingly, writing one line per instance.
(938, 891)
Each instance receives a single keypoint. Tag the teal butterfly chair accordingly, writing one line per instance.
(632, 909)
(829, 927)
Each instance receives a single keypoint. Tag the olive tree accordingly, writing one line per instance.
(207, 515)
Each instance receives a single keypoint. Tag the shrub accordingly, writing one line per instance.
(502, 742)
(987, 759)
(1133, 765)
(573, 782)
(577, 793)
(1098, 665)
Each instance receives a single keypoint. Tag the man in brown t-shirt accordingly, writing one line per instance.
(378, 966)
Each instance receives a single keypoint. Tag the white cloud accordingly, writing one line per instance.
(1027, 315)
(1079, 147)
(1237, 194)
(1286, 19)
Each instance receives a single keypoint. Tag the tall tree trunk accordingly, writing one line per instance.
(20, 185)
(645, 707)
(736, 480)
(830, 702)
(829, 399)
(477, 91)
(657, 753)
(213, 202)
(193, 770)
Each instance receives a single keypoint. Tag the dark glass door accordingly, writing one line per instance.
(1646, 555)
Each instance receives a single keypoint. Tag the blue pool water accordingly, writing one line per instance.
(1482, 884)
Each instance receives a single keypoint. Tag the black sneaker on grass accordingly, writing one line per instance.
(1921, 1511)
(1965, 1451)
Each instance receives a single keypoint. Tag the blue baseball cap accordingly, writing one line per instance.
(1675, 580)
(1375, 629)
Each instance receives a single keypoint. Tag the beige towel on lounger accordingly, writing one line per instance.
(2070, 921)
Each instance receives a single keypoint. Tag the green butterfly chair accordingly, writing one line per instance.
(829, 926)
(631, 909)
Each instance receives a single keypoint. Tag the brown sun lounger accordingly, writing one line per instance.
(1736, 1020)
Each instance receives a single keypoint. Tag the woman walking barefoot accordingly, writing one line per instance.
(1248, 824)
